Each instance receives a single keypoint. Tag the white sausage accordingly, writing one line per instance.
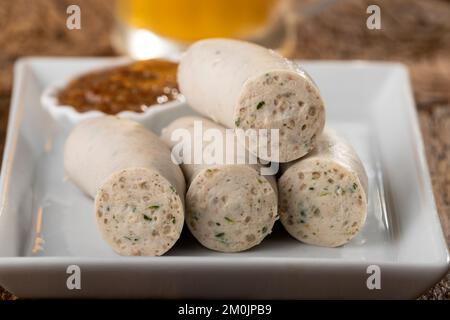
(138, 190)
(323, 196)
(243, 85)
(229, 208)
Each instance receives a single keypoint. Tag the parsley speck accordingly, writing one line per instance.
(260, 105)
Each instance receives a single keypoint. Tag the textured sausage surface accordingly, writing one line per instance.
(139, 212)
(229, 207)
(323, 197)
(243, 85)
(138, 190)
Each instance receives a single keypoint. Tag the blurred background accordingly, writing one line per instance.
(414, 32)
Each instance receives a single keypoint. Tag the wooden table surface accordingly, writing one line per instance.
(414, 32)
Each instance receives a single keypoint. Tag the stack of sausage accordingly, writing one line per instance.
(320, 195)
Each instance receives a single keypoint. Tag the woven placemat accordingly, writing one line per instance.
(414, 32)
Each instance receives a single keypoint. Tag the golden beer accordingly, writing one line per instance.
(185, 21)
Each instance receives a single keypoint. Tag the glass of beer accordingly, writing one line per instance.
(162, 28)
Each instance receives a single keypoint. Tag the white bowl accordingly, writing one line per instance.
(67, 116)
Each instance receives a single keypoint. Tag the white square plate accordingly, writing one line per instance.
(47, 224)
